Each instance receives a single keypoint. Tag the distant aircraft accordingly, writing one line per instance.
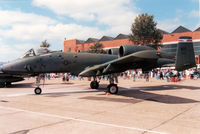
(93, 65)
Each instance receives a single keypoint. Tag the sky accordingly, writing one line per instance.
(24, 24)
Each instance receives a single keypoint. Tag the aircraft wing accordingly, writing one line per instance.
(123, 63)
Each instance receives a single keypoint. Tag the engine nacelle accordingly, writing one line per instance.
(113, 51)
(129, 49)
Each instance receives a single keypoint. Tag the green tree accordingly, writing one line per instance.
(45, 44)
(144, 31)
(96, 48)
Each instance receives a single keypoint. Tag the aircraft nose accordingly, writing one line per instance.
(16, 67)
(12, 68)
(6, 68)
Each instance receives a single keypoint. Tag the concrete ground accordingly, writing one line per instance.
(155, 107)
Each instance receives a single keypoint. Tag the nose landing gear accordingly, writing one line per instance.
(38, 90)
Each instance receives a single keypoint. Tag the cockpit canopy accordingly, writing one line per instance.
(29, 53)
(40, 51)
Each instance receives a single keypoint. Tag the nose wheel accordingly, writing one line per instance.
(38, 90)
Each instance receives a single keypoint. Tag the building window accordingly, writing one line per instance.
(70, 49)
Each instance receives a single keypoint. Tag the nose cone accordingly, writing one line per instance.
(13, 67)
(7, 68)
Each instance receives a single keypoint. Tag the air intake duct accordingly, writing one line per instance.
(113, 51)
(129, 49)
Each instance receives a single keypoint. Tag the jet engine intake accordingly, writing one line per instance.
(129, 49)
(113, 51)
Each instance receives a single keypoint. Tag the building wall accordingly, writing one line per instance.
(169, 42)
(70, 45)
(82, 47)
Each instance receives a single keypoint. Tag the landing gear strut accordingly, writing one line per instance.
(38, 90)
(94, 84)
(112, 88)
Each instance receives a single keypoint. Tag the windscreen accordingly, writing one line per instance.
(29, 53)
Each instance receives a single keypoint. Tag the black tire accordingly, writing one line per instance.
(8, 84)
(94, 85)
(2, 85)
(38, 90)
(112, 89)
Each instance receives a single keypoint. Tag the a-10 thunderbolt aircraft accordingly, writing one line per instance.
(93, 65)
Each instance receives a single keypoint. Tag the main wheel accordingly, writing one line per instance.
(2, 85)
(38, 90)
(94, 85)
(112, 89)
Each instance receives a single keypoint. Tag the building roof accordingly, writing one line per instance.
(198, 29)
(121, 36)
(106, 38)
(80, 41)
(181, 29)
(163, 32)
(91, 40)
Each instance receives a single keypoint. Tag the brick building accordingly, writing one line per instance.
(169, 42)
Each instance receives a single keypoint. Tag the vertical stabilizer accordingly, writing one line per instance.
(185, 57)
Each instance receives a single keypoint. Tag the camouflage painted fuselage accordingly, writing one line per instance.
(56, 63)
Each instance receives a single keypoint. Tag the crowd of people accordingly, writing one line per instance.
(161, 74)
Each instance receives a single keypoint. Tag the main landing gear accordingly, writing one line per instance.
(111, 88)
(94, 84)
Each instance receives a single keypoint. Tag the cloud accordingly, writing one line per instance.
(113, 13)
(9, 18)
(9, 51)
(109, 17)
(25, 32)
(39, 32)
